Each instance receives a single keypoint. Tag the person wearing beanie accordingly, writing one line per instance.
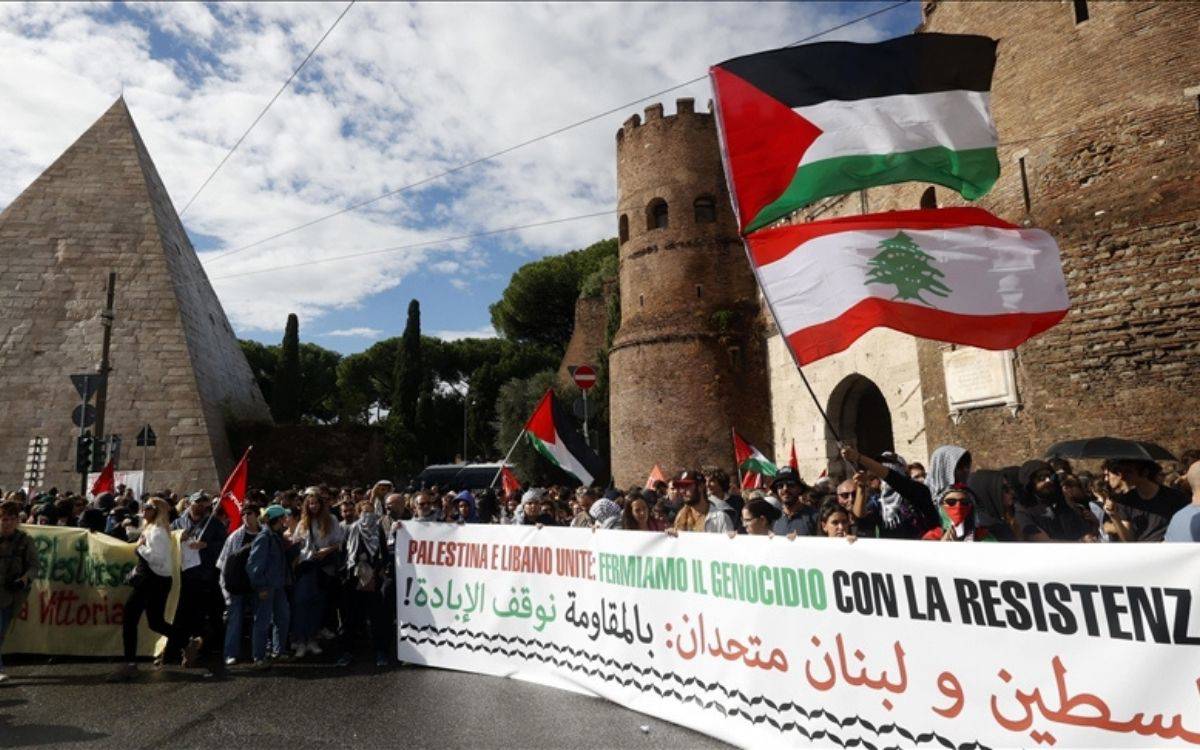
(606, 514)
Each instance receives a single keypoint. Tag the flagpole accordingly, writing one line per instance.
(737, 467)
(754, 269)
(506, 457)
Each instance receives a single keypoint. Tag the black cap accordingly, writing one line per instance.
(786, 475)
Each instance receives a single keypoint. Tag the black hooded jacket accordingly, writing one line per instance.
(1050, 515)
(988, 487)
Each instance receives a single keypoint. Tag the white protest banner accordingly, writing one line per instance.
(769, 642)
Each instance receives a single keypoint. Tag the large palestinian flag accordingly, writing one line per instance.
(553, 436)
(951, 274)
(802, 123)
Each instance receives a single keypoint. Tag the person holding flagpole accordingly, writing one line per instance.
(201, 611)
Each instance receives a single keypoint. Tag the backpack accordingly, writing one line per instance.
(234, 577)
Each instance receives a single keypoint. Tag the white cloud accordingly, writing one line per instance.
(397, 93)
(361, 332)
(483, 332)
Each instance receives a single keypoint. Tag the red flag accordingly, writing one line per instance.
(508, 481)
(233, 494)
(656, 475)
(793, 461)
(104, 482)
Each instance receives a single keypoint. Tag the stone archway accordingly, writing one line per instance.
(860, 413)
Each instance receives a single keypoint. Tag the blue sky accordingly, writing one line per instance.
(398, 92)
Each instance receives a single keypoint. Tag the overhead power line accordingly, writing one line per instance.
(411, 245)
(535, 139)
(282, 88)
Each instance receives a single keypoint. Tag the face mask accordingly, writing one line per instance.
(713, 498)
(958, 513)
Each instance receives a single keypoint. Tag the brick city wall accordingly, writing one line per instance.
(100, 207)
(1118, 190)
(587, 337)
(689, 361)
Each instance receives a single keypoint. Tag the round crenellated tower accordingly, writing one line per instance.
(689, 361)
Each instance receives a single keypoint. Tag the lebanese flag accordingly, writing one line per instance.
(552, 435)
(802, 123)
(508, 481)
(656, 476)
(233, 494)
(752, 464)
(958, 275)
(105, 482)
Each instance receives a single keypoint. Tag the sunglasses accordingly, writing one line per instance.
(950, 502)
(845, 494)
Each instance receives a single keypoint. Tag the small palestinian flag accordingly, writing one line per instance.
(551, 434)
(752, 464)
(802, 123)
(951, 274)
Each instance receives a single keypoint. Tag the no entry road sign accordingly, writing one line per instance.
(585, 377)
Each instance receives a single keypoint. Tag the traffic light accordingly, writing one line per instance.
(84, 446)
(99, 453)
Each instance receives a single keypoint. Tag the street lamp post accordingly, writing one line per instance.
(466, 402)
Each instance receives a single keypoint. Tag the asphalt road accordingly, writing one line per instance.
(303, 705)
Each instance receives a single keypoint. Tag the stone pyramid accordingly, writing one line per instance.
(176, 363)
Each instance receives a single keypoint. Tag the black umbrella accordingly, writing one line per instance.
(1110, 447)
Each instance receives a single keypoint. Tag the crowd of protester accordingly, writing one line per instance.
(311, 570)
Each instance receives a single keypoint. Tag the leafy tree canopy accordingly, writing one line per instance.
(538, 306)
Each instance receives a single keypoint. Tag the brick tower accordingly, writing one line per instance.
(689, 361)
(176, 363)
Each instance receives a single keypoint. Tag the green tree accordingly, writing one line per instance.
(285, 394)
(318, 399)
(538, 305)
(410, 370)
(263, 361)
(902, 263)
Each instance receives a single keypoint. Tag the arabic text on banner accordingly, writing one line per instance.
(771, 642)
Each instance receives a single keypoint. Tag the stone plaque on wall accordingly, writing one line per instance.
(977, 378)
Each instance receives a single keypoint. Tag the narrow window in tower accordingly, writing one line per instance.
(929, 198)
(656, 214)
(1024, 183)
(706, 210)
(864, 205)
(623, 229)
(1081, 11)
(699, 291)
(641, 300)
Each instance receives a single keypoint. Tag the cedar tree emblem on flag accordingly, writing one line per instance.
(903, 264)
(829, 282)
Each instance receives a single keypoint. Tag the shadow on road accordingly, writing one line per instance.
(32, 735)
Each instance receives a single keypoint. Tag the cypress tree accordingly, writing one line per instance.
(285, 393)
(410, 370)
